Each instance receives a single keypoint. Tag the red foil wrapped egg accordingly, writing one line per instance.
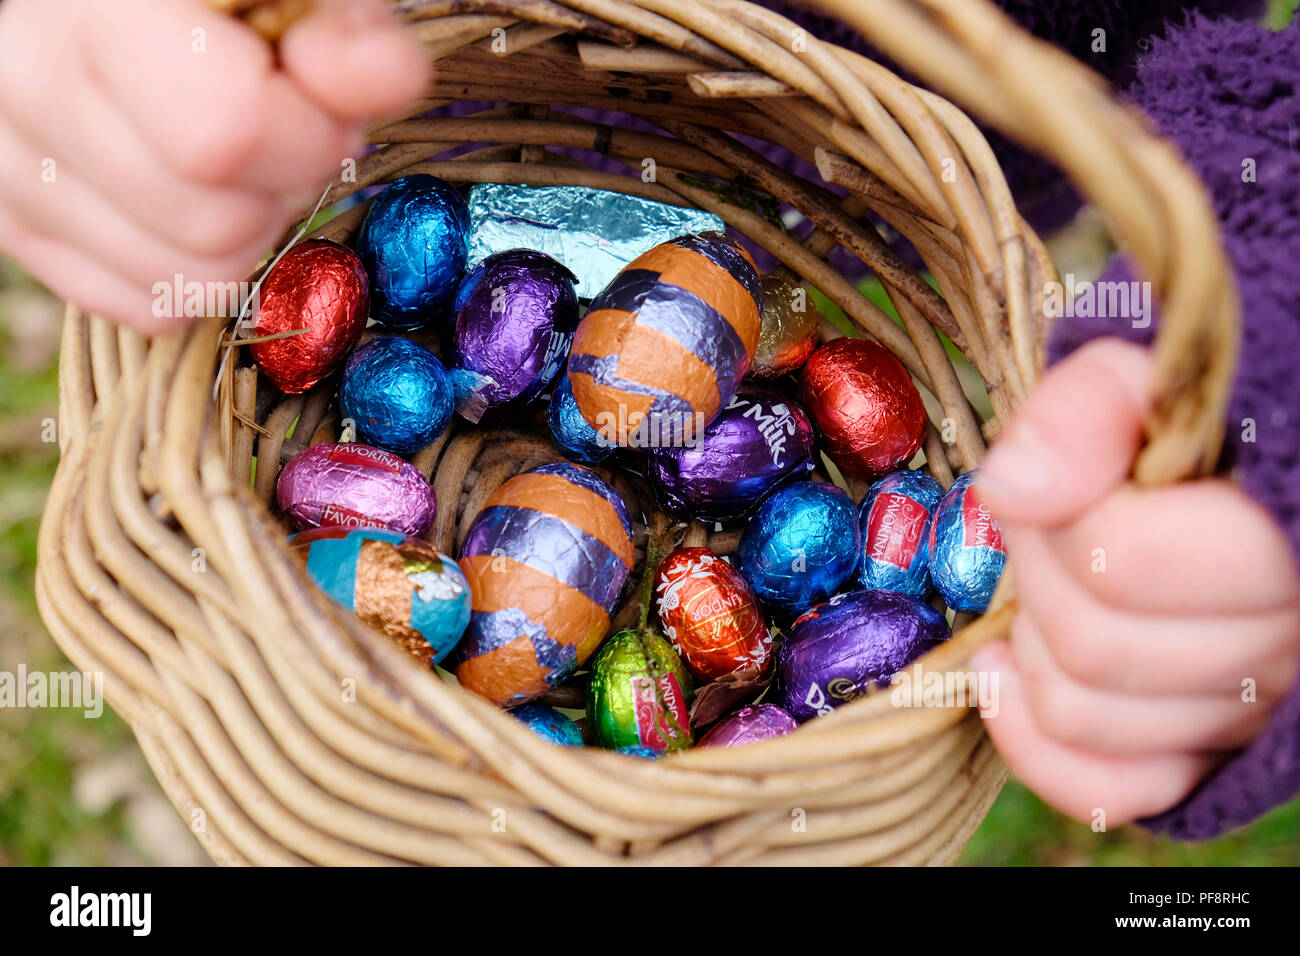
(710, 616)
(868, 412)
(320, 286)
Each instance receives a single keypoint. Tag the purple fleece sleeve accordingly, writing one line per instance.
(1228, 94)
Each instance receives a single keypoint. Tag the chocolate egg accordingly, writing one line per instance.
(413, 243)
(515, 314)
(399, 584)
(966, 551)
(791, 330)
(758, 441)
(570, 431)
(839, 650)
(666, 343)
(749, 725)
(549, 724)
(396, 393)
(710, 616)
(866, 409)
(319, 286)
(640, 695)
(546, 559)
(352, 485)
(800, 546)
(895, 521)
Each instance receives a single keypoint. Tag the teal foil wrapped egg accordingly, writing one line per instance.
(413, 244)
(549, 724)
(571, 432)
(399, 584)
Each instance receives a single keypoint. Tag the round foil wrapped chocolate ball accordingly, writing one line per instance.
(547, 559)
(710, 616)
(749, 725)
(895, 519)
(401, 585)
(514, 319)
(866, 409)
(352, 485)
(319, 286)
(413, 243)
(800, 546)
(664, 346)
(396, 393)
(549, 724)
(570, 431)
(791, 330)
(839, 650)
(966, 551)
(760, 440)
(640, 695)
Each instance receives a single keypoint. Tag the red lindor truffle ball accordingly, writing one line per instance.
(868, 412)
(320, 286)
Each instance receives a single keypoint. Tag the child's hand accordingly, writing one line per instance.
(1145, 614)
(144, 138)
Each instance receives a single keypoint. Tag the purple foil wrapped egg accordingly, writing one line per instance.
(749, 725)
(839, 650)
(759, 441)
(351, 485)
(515, 314)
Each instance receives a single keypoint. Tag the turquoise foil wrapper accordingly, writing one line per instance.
(593, 232)
(549, 724)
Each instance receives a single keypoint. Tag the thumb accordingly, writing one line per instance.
(1073, 440)
(354, 60)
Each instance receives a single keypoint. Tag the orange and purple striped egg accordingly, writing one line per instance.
(546, 560)
(665, 345)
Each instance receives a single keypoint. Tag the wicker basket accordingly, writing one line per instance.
(285, 731)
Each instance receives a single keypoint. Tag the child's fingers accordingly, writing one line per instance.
(1073, 440)
(1109, 790)
(81, 279)
(1105, 722)
(1179, 654)
(1191, 548)
(300, 144)
(354, 60)
(189, 79)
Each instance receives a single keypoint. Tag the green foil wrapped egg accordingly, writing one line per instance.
(640, 694)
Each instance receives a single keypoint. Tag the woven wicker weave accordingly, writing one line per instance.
(285, 731)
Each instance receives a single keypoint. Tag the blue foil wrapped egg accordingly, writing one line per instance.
(758, 441)
(399, 584)
(841, 649)
(413, 243)
(549, 724)
(571, 432)
(895, 520)
(966, 550)
(396, 393)
(515, 314)
(800, 546)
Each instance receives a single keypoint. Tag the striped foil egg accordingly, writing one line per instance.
(546, 560)
(665, 345)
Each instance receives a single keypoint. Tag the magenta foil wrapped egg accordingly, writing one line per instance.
(758, 442)
(749, 725)
(352, 485)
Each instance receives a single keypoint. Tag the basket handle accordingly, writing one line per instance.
(974, 54)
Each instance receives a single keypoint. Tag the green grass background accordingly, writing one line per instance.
(75, 791)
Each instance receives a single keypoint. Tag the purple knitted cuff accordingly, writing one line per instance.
(1228, 94)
